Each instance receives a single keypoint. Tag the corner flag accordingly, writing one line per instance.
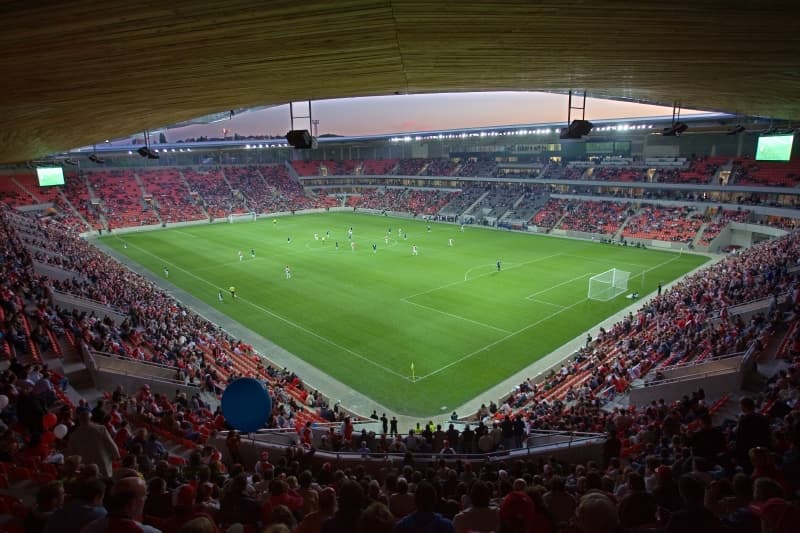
(412, 372)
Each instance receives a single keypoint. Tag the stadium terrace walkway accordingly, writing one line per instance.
(353, 400)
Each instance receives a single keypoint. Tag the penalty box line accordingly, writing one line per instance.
(513, 334)
(452, 283)
(548, 289)
(500, 340)
(281, 318)
(458, 317)
(407, 299)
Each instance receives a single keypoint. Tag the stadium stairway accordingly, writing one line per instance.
(292, 172)
(699, 235)
(225, 178)
(474, 204)
(619, 231)
(25, 190)
(145, 194)
(560, 220)
(727, 166)
(186, 184)
(93, 194)
(74, 211)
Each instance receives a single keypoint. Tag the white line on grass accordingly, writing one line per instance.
(279, 317)
(605, 260)
(186, 233)
(548, 289)
(230, 263)
(545, 303)
(491, 267)
(529, 326)
(459, 317)
(516, 265)
(498, 341)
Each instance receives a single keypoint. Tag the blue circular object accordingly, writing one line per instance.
(246, 405)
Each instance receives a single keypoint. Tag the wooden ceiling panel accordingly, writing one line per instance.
(82, 71)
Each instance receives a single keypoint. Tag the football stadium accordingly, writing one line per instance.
(400, 266)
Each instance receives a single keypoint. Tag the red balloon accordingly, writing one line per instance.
(49, 421)
(48, 438)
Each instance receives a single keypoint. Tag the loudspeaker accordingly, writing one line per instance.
(738, 129)
(147, 152)
(300, 139)
(675, 129)
(576, 130)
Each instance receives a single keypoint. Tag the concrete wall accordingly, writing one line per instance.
(68, 301)
(718, 365)
(714, 385)
(43, 269)
(108, 377)
(252, 446)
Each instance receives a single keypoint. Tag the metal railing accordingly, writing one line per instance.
(695, 362)
(566, 440)
(109, 362)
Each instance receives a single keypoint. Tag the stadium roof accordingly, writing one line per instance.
(78, 72)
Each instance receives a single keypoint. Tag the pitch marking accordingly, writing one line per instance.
(545, 303)
(279, 317)
(530, 296)
(451, 315)
(512, 334)
(516, 265)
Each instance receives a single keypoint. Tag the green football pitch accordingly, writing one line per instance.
(365, 317)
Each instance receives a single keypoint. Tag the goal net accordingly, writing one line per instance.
(608, 285)
(244, 217)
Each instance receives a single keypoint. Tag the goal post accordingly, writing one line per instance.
(608, 285)
(244, 217)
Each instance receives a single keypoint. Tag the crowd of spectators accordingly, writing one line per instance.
(719, 221)
(252, 185)
(474, 167)
(616, 173)
(343, 167)
(676, 224)
(76, 191)
(121, 199)
(700, 171)
(561, 171)
(289, 195)
(532, 199)
(414, 201)
(440, 167)
(170, 195)
(664, 465)
(674, 327)
(499, 199)
(595, 217)
(461, 202)
(123, 203)
(410, 167)
(155, 328)
(550, 213)
(746, 171)
(377, 167)
(214, 192)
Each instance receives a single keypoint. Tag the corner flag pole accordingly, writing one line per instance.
(413, 377)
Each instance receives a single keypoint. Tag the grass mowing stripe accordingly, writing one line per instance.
(354, 298)
(548, 289)
(277, 316)
(472, 354)
(493, 266)
(498, 341)
(501, 330)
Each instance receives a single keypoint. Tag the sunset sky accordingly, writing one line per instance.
(409, 113)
